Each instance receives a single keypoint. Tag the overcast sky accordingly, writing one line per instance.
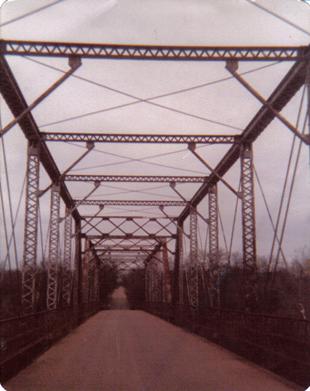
(180, 22)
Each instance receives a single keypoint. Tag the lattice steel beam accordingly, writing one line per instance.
(153, 52)
(213, 245)
(123, 250)
(166, 274)
(67, 273)
(248, 210)
(31, 230)
(192, 271)
(129, 218)
(140, 138)
(52, 269)
(135, 178)
(129, 236)
(129, 203)
(85, 272)
(248, 230)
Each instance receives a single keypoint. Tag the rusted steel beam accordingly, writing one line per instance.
(130, 218)
(135, 178)
(130, 203)
(153, 52)
(140, 138)
(128, 236)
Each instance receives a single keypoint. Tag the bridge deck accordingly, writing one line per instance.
(122, 350)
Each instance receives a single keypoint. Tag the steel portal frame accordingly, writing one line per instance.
(53, 254)
(240, 144)
(31, 230)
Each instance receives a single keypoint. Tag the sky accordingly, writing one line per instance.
(219, 108)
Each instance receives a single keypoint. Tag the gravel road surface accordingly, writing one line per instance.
(123, 350)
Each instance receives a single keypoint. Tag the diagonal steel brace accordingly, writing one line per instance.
(232, 67)
(74, 63)
(192, 148)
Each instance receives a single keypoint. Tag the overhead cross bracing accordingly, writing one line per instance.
(135, 178)
(158, 203)
(140, 138)
(153, 52)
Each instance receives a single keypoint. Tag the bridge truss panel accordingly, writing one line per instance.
(192, 271)
(213, 244)
(52, 267)
(67, 269)
(31, 230)
(248, 228)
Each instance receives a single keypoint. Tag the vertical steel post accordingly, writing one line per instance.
(176, 269)
(146, 283)
(308, 100)
(67, 270)
(52, 267)
(85, 268)
(77, 272)
(248, 227)
(213, 245)
(181, 267)
(31, 230)
(166, 276)
(96, 280)
(193, 266)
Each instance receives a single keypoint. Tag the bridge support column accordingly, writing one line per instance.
(177, 296)
(77, 273)
(213, 246)
(67, 270)
(166, 276)
(248, 227)
(154, 282)
(85, 274)
(52, 269)
(193, 267)
(308, 95)
(31, 230)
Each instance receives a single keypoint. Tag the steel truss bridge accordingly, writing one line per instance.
(136, 240)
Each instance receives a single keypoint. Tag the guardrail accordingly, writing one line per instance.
(277, 343)
(22, 338)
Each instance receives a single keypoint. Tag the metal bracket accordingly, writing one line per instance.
(192, 148)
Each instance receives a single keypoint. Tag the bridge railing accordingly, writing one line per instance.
(23, 337)
(277, 343)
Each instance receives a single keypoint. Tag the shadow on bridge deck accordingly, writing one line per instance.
(135, 351)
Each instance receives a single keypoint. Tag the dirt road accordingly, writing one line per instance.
(123, 350)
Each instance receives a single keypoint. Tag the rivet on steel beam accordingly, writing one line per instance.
(191, 146)
(90, 145)
(74, 62)
(232, 66)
